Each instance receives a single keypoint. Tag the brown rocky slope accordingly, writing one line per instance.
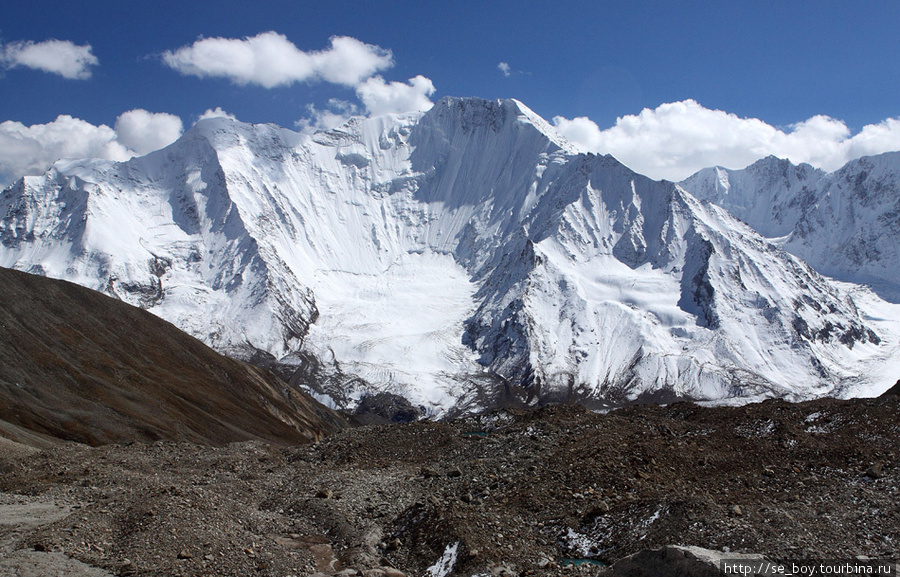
(80, 366)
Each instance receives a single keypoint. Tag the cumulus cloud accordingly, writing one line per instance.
(380, 97)
(269, 59)
(876, 138)
(676, 139)
(30, 150)
(216, 112)
(55, 56)
(504, 68)
(338, 112)
(144, 132)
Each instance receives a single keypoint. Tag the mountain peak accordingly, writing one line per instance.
(773, 162)
(224, 132)
(471, 113)
(210, 127)
(442, 256)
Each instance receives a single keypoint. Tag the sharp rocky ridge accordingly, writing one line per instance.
(463, 258)
(846, 223)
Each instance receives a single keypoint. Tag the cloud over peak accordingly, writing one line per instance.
(216, 112)
(377, 96)
(676, 139)
(55, 56)
(144, 132)
(31, 150)
(380, 97)
(269, 59)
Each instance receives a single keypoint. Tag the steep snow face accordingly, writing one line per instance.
(162, 232)
(771, 195)
(460, 258)
(846, 224)
(625, 288)
(852, 232)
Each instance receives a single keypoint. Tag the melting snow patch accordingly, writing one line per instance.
(756, 429)
(824, 424)
(580, 544)
(445, 564)
(493, 421)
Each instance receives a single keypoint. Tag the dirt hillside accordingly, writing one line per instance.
(79, 366)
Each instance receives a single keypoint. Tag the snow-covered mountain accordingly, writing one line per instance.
(771, 195)
(461, 258)
(846, 224)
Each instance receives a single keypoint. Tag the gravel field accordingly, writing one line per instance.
(509, 493)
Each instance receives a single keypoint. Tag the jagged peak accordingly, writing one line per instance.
(887, 161)
(771, 159)
(225, 132)
(472, 112)
(465, 112)
(767, 164)
(772, 162)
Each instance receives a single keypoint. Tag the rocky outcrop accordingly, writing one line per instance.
(680, 561)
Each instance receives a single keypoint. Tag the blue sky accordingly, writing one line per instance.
(782, 63)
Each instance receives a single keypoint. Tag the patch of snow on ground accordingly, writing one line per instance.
(581, 545)
(444, 565)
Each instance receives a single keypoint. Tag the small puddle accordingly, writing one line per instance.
(475, 434)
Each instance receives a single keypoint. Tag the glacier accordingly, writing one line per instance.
(463, 258)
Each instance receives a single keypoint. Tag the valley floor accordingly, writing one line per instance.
(514, 493)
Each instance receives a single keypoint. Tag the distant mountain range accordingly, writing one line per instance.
(845, 224)
(469, 257)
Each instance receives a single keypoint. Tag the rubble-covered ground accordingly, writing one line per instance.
(513, 492)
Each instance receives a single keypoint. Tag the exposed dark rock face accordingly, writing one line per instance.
(892, 392)
(386, 408)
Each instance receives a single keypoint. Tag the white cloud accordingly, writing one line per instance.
(144, 132)
(337, 113)
(29, 150)
(55, 56)
(380, 97)
(32, 149)
(269, 59)
(349, 61)
(216, 113)
(504, 68)
(676, 139)
(876, 138)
